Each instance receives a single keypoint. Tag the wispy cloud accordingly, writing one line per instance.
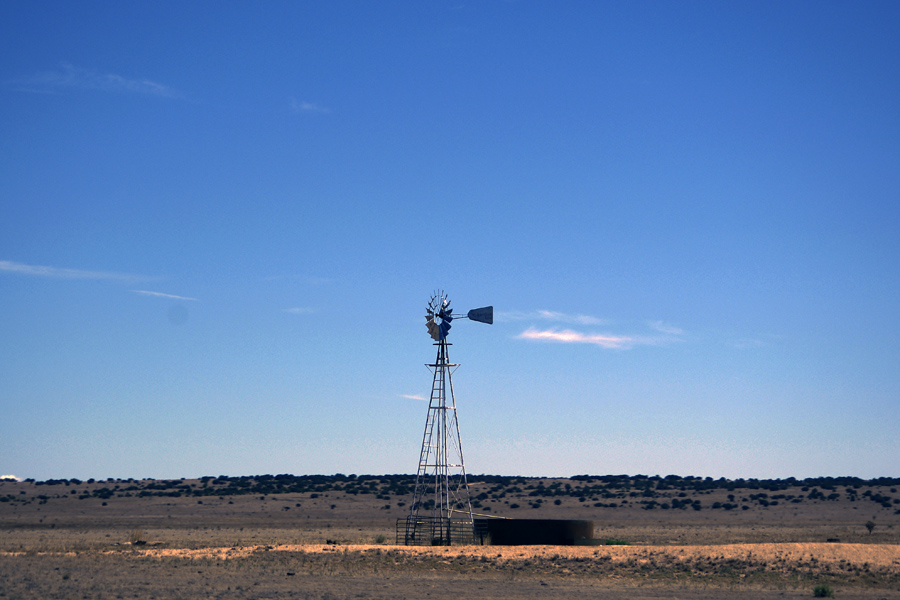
(665, 328)
(298, 106)
(548, 315)
(62, 273)
(9, 478)
(68, 76)
(413, 397)
(161, 295)
(662, 333)
(567, 336)
(299, 310)
(562, 317)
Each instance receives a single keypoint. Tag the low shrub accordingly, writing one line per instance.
(137, 537)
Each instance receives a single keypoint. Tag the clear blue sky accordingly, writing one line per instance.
(220, 223)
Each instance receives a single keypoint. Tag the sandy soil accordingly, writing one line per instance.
(884, 557)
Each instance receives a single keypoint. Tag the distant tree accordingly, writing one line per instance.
(870, 525)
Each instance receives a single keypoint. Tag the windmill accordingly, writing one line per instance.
(441, 510)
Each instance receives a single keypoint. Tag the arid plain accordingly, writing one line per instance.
(334, 537)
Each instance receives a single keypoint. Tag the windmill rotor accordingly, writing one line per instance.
(438, 316)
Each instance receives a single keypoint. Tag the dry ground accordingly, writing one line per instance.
(751, 571)
(273, 546)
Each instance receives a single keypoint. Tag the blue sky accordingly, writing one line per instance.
(220, 224)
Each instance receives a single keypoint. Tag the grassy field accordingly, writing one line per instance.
(331, 537)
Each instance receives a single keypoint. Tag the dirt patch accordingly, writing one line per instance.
(883, 557)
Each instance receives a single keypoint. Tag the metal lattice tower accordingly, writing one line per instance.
(441, 510)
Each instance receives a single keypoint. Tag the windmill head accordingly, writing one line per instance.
(439, 315)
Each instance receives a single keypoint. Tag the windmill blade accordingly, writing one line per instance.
(482, 315)
(433, 330)
(444, 328)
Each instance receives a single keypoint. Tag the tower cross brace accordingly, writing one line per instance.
(441, 507)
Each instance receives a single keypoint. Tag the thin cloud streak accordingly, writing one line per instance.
(299, 310)
(664, 328)
(71, 77)
(669, 334)
(413, 397)
(580, 319)
(548, 315)
(161, 295)
(299, 107)
(61, 273)
(567, 336)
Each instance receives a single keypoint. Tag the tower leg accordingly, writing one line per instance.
(441, 503)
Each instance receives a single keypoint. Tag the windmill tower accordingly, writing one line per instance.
(441, 511)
